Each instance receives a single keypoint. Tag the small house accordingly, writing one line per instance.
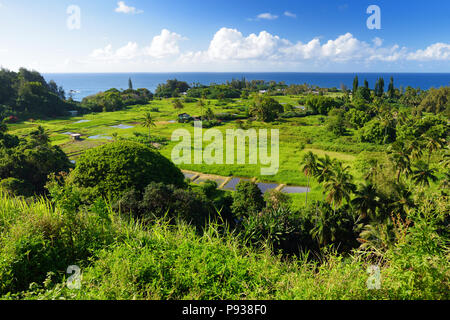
(73, 113)
(75, 136)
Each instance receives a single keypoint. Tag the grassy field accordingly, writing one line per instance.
(297, 136)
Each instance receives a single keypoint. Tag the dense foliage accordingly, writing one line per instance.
(25, 163)
(126, 216)
(114, 99)
(114, 168)
(26, 94)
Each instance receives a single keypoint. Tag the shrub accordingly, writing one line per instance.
(116, 167)
(41, 240)
(247, 199)
(277, 199)
(160, 200)
(377, 132)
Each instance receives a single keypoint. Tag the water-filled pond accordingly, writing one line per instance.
(231, 185)
(189, 175)
(99, 137)
(265, 187)
(295, 190)
(122, 126)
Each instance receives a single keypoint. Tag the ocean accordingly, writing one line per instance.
(85, 84)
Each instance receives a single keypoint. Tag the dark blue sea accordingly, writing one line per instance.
(85, 84)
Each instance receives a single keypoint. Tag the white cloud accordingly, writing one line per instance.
(290, 14)
(123, 8)
(231, 50)
(127, 52)
(437, 51)
(230, 44)
(267, 16)
(377, 41)
(164, 45)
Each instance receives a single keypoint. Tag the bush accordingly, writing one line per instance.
(116, 167)
(166, 201)
(41, 240)
(277, 199)
(15, 186)
(25, 163)
(376, 132)
(247, 199)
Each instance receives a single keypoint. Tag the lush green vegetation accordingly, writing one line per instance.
(377, 164)
(26, 94)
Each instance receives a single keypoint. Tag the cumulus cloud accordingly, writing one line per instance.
(164, 45)
(290, 14)
(437, 51)
(123, 8)
(229, 44)
(127, 52)
(230, 48)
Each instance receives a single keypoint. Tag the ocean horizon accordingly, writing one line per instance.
(85, 84)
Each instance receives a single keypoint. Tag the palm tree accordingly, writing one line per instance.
(387, 121)
(201, 104)
(324, 169)
(399, 156)
(309, 169)
(373, 171)
(377, 237)
(366, 201)
(445, 162)
(403, 199)
(149, 123)
(414, 148)
(339, 185)
(422, 174)
(432, 144)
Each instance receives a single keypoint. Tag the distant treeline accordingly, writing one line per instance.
(27, 94)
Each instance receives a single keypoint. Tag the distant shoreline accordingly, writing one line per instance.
(91, 83)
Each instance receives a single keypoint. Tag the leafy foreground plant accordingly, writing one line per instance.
(125, 260)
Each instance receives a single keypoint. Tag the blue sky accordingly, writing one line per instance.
(198, 35)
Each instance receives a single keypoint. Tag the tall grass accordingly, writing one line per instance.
(129, 260)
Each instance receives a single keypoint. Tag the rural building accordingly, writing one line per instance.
(75, 136)
(73, 113)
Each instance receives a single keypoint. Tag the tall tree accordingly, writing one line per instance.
(391, 88)
(422, 174)
(355, 85)
(366, 84)
(149, 122)
(400, 158)
(339, 185)
(366, 201)
(381, 87)
(130, 84)
(309, 169)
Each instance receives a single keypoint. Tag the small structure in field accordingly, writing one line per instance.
(73, 113)
(75, 136)
(184, 117)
